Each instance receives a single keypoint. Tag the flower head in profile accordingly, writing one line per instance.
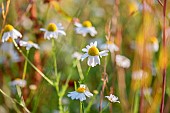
(122, 61)
(93, 54)
(18, 82)
(153, 44)
(10, 33)
(112, 98)
(85, 28)
(8, 53)
(80, 93)
(28, 44)
(53, 31)
(110, 46)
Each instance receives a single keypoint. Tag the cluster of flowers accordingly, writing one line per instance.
(91, 51)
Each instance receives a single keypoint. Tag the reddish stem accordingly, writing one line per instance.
(164, 50)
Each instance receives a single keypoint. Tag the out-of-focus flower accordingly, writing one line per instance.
(132, 7)
(18, 82)
(153, 44)
(28, 44)
(85, 28)
(33, 87)
(77, 55)
(139, 74)
(93, 54)
(112, 98)
(53, 31)
(80, 93)
(10, 32)
(110, 46)
(8, 53)
(122, 61)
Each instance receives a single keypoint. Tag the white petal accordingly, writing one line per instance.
(88, 94)
(84, 56)
(103, 53)
(42, 29)
(85, 50)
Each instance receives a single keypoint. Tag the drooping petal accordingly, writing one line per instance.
(84, 56)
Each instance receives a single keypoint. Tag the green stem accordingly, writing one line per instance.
(60, 104)
(81, 107)
(25, 66)
(54, 57)
(48, 80)
(80, 70)
(105, 108)
(88, 71)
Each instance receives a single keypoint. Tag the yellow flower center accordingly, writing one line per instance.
(8, 28)
(81, 90)
(30, 42)
(153, 40)
(109, 42)
(93, 51)
(87, 24)
(52, 27)
(10, 39)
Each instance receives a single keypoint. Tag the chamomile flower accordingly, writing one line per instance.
(153, 44)
(77, 55)
(80, 93)
(110, 46)
(10, 32)
(93, 54)
(85, 28)
(19, 82)
(122, 61)
(53, 31)
(112, 98)
(28, 44)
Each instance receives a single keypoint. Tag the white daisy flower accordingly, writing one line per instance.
(19, 82)
(53, 31)
(153, 44)
(93, 54)
(77, 55)
(122, 61)
(80, 93)
(10, 32)
(112, 98)
(110, 46)
(28, 44)
(85, 28)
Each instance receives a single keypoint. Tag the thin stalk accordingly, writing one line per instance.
(81, 107)
(42, 74)
(105, 108)
(80, 70)
(87, 73)
(54, 57)
(25, 66)
(164, 50)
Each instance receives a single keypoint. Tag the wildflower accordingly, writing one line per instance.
(153, 44)
(93, 54)
(33, 87)
(85, 28)
(53, 31)
(77, 55)
(139, 74)
(8, 53)
(80, 93)
(10, 33)
(28, 44)
(112, 98)
(122, 61)
(18, 82)
(110, 46)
